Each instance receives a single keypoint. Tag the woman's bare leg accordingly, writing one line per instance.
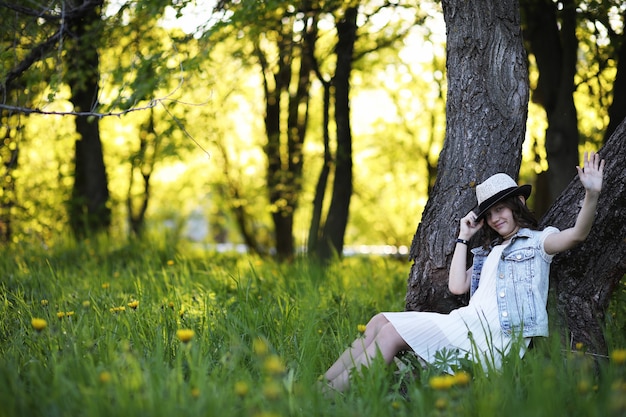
(385, 340)
(346, 360)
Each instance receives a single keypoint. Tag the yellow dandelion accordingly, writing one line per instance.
(195, 392)
(618, 385)
(171, 305)
(583, 386)
(579, 346)
(38, 324)
(241, 388)
(44, 303)
(273, 365)
(441, 382)
(69, 313)
(86, 303)
(170, 262)
(361, 328)
(441, 404)
(271, 390)
(185, 335)
(462, 378)
(105, 285)
(260, 347)
(618, 356)
(60, 314)
(105, 377)
(133, 304)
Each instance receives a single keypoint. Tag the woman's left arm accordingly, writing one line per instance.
(590, 176)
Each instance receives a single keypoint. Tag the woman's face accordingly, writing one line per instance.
(500, 218)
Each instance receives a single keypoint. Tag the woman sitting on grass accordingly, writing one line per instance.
(513, 269)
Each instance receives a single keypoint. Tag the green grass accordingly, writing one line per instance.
(262, 334)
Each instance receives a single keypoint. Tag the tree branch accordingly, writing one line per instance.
(24, 110)
(34, 56)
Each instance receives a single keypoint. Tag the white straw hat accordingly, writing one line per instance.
(496, 188)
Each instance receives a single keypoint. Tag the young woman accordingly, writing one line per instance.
(512, 268)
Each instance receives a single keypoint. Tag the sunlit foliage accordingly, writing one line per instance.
(208, 123)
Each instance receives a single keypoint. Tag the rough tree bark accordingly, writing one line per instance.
(584, 277)
(486, 119)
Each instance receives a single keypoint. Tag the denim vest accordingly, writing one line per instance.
(521, 283)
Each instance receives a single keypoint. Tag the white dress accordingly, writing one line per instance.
(473, 331)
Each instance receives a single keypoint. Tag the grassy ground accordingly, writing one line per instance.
(93, 330)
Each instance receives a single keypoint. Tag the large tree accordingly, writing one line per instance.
(486, 116)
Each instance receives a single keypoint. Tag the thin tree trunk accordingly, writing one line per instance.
(322, 181)
(554, 44)
(486, 120)
(337, 219)
(142, 165)
(284, 147)
(617, 110)
(243, 219)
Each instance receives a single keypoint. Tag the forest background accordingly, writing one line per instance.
(180, 97)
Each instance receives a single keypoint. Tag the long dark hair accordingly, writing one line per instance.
(521, 214)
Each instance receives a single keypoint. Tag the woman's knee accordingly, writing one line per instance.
(389, 336)
(377, 322)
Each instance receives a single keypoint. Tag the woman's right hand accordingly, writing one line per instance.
(469, 226)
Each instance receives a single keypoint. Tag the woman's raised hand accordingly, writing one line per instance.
(590, 174)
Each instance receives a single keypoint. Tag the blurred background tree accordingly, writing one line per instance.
(574, 47)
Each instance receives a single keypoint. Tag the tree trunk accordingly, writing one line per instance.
(322, 181)
(285, 150)
(552, 38)
(142, 166)
(9, 154)
(232, 190)
(337, 219)
(486, 120)
(89, 211)
(584, 277)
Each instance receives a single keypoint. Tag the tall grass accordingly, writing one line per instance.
(148, 330)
